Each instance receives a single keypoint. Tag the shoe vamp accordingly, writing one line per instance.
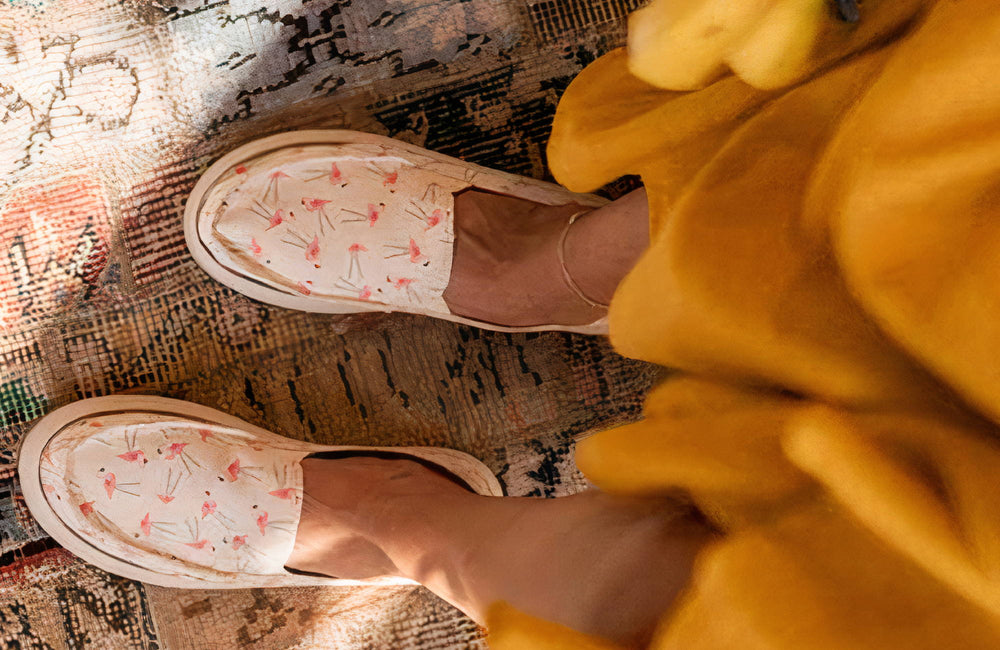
(176, 496)
(344, 223)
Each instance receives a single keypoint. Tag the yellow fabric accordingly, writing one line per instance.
(823, 270)
(510, 628)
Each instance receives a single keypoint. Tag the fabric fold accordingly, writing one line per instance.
(820, 277)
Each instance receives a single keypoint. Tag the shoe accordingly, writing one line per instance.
(343, 222)
(181, 495)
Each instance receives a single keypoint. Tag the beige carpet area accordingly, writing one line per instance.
(108, 113)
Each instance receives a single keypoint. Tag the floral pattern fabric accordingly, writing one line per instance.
(174, 495)
(348, 221)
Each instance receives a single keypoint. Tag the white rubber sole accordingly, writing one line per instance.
(462, 465)
(196, 230)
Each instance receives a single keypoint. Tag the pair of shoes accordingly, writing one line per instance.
(177, 494)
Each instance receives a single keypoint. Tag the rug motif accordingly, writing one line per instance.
(108, 113)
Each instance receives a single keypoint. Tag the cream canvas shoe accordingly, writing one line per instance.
(343, 221)
(181, 495)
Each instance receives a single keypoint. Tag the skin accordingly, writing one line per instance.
(564, 560)
(602, 564)
(517, 259)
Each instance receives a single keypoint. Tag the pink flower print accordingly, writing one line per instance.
(415, 210)
(275, 220)
(207, 508)
(147, 525)
(262, 523)
(255, 247)
(404, 283)
(238, 541)
(283, 493)
(171, 484)
(235, 469)
(134, 456)
(354, 250)
(317, 205)
(303, 287)
(200, 544)
(312, 205)
(312, 250)
(173, 450)
(48, 489)
(272, 184)
(240, 169)
(335, 176)
(415, 256)
(205, 434)
(344, 284)
(87, 507)
(371, 216)
(109, 484)
(390, 179)
(411, 249)
(96, 424)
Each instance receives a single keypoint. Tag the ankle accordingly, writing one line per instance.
(506, 268)
(602, 246)
(572, 284)
(565, 559)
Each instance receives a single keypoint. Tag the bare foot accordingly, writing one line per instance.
(351, 506)
(601, 564)
(506, 268)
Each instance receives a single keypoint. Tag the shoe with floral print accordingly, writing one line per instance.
(181, 495)
(343, 221)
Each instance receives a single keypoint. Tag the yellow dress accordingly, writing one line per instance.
(824, 272)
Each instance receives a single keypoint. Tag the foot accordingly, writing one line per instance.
(349, 503)
(368, 221)
(506, 268)
(563, 560)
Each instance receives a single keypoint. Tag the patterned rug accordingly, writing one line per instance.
(108, 113)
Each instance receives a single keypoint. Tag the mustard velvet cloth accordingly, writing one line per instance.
(824, 273)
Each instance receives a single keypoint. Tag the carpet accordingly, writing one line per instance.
(108, 113)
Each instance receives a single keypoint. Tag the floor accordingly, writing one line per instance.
(108, 113)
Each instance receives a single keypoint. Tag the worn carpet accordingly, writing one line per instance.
(108, 113)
